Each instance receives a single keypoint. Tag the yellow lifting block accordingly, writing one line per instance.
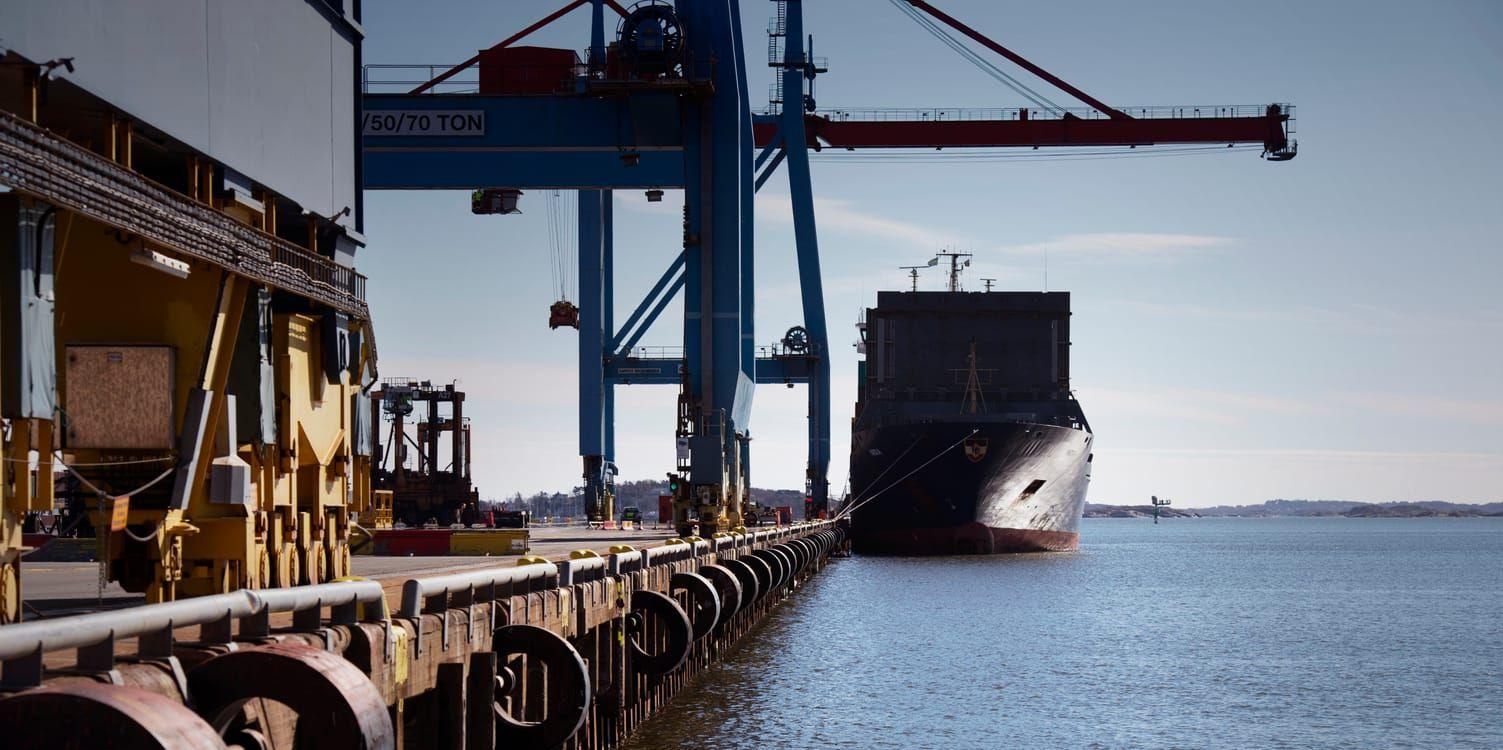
(617, 549)
(531, 560)
(739, 530)
(581, 554)
(692, 539)
(674, 540)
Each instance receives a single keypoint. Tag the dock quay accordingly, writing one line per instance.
(568, 652)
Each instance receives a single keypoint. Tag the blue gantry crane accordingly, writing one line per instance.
(665, 106)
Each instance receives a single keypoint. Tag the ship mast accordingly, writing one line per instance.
(913, 271)
(955, 267)
(975, 399)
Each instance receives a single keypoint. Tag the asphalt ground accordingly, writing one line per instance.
(51, 589)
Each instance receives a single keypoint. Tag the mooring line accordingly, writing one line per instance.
(852, 508)
(893, 463)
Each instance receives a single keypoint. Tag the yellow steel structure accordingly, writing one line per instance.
(304, 489)
(166, 283)
(120, 294)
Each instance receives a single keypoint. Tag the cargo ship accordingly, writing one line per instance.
(966, 438)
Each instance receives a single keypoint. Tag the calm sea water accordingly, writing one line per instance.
(1201, 633)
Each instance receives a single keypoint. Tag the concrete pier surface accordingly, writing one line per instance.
(57, 588)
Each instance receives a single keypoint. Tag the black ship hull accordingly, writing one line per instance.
(987, 487)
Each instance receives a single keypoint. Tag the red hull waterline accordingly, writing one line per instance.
(972, 539)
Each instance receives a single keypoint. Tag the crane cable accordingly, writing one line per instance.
(976, 59)
(562, 228)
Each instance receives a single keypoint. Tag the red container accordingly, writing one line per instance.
(527, 70)
(413, 542)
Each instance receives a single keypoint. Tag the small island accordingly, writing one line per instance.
(1305, 509)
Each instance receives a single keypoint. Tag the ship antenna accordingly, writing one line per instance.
(955, 266)
(913, 271)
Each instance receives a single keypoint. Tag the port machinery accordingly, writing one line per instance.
(185, 344)
(665, 106)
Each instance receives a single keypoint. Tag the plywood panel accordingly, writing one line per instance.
(119, 397)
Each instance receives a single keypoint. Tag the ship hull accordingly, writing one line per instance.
(968, 488)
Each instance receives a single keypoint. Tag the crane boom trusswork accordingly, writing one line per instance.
(852, 129)
(1046, 125)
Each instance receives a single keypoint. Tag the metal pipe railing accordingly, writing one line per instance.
(581, 570)
(421, 595)
(94, 635)
(978, 114)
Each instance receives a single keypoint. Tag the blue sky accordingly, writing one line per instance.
(1328, 327)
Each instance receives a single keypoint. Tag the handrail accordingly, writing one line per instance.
(575, 571)
(418, 593)
(625, 562)
(22, 645)
(95, 634)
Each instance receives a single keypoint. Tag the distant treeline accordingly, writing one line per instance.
(1311, 508)
(641, 494)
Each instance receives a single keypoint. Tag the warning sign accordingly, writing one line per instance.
(119, 509)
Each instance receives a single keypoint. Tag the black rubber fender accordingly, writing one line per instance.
(811, 552)
(728, 586)
(336, 704)
(816, 548)
(704, 613)
(812, 548)
(747, 577)
(96, 715)
(765, 575)
(673, 622)
(790, 560)
(800, 554)
(775, 564)
(568, 680)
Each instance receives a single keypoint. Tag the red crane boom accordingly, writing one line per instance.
(1097, 125)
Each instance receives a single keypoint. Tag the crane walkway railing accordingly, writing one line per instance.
(972, 114)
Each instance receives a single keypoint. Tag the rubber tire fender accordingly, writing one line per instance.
(99, 715)
(766, 577)
(675, 625)
(775, 564)
(751, 588)
(728, 586)
(704, 614)
(336, 704)
(568, 676)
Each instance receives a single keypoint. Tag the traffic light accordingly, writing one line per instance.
(673, 484)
